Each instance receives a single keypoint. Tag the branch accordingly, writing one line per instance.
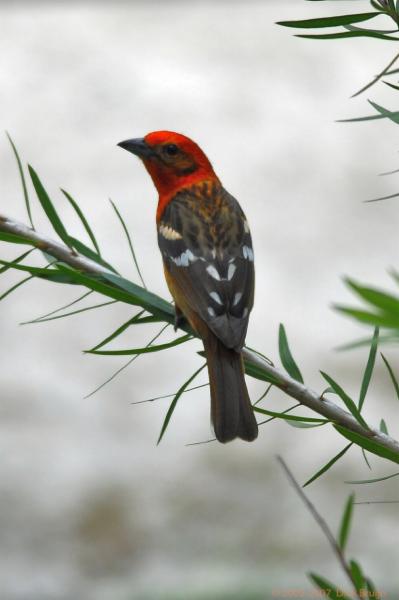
(322, 524)
(283, 381)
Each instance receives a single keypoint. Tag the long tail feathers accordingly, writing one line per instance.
(231, 410)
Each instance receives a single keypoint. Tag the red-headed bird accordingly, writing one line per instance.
(208, 261)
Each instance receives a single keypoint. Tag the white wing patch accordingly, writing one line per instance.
(184, 259)
(215, 296)
(230, 272)
(237, 298)
(213, 272)
(248, 253)
(169, 233)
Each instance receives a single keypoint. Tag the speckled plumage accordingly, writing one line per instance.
(208, 262)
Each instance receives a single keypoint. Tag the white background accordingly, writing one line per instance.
(89, 506)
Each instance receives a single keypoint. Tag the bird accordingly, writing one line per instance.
(208, 261)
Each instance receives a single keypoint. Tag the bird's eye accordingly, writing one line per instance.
(171, 149)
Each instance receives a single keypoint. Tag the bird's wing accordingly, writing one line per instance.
(207, 251)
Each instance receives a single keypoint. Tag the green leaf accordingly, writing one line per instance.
(89, 253)
(392, 375)
(368, 118)
(257, 372)
(286, 417)
(43, 273)
(23, 181)
(376, 480)
(389, 197)
(369, 369)
(127, 364)
(144, 298)
(343, 533)
(357, 576)
(328, 465)
(303, 425)
(144, 350)
(329, 21)
(366, 460)
(69, 314)
(389, 321)
(14, 287)
(348, 34)
(331, 590)
(48, 207)
(118, 331)
(350, 405)
(129, 240)
(392, 85)
(63, 307)
(392, 116)
(286, 356)
(383, 427)
(83, 220)
(386, 302)
(14, 239)
(368, 444)
(16, 261)
(175, 400)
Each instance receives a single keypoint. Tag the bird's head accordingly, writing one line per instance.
(173, 160)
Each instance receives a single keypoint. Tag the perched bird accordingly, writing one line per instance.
(208, 259)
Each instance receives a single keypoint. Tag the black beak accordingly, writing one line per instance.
(137, 146)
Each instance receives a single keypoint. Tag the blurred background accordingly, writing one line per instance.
(90, 507)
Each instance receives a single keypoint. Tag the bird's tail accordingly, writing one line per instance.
(231, 410)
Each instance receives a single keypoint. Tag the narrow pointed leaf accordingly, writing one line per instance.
(127, 364)
(392, 116)
(389, 321)
(286, 357)
(23, 181)
(335, 21)
(64, 307)
(328, 465)
(278, 415)
(376, 480)
(48, 206)
(175, 400)
(89, 253)
(349, 403)
(14, 287)
(369, 369)
(118, 331)
(344, 529)
(69, 314)
(148, 300)
(357, 576)
(331, 590)
(348, 34)
(12, 238)
(392, 375)
(83, 220)
(383, 427)
(129, 241)
(43, 273)
(392, 85)
(368, 444)
(145, 350)
(15, 261)
(386, 302)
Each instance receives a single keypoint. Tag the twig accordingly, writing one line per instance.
(321, 522)
(322, 406)
(283, 381)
